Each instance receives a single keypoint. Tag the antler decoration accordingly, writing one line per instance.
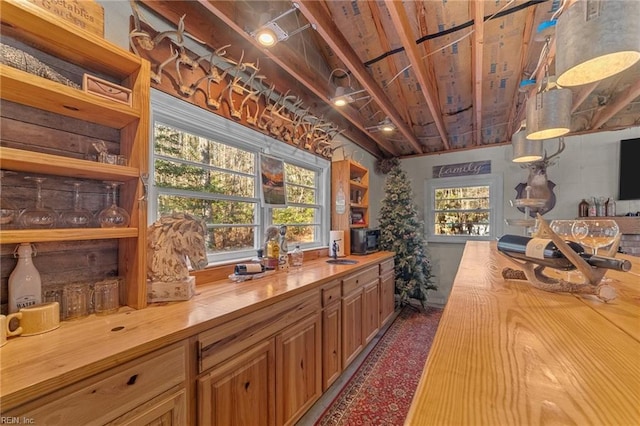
(592, 276)
(282, 115)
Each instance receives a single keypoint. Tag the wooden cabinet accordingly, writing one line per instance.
(387, 290)
(298, 369)
(128, 392)
(352, 340)
(43, 31)
(240, 391)
(351, 179)
(331, 334)
(272, 381)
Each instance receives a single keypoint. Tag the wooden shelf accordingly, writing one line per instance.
(43, 30)
(64, 234)
(26, 161)
(37, 92)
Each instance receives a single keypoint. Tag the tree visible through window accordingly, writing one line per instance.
(462, 208)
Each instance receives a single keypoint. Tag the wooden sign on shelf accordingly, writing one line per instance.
(86, 14)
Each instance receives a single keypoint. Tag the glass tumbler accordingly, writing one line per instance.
(106, 297)
(75, 298)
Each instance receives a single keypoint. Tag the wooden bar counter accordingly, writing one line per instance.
(506, 353)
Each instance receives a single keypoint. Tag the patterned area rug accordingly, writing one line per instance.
(381, 390)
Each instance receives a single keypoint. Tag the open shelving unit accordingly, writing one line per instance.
(43, 31)
(354, 180)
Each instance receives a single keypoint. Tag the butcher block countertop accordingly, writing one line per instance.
(35, 365)
(506, 353)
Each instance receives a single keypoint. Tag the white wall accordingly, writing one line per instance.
(587, 167)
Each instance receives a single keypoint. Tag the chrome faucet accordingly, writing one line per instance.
(335, 247)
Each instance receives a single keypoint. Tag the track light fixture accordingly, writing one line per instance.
(341, 97)
(269, 33)
(386, 126)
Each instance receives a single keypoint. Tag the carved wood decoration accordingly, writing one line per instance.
(234, 89)
(592, 277)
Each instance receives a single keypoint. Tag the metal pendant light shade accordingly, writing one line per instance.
(596, 39)
(525, 150)
(549, 114)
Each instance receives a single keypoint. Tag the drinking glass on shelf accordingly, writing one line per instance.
(76, 217)
(597, 233)
(38, 217)
(8, 210)
(113, 216)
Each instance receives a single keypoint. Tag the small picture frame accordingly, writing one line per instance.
(106, 89)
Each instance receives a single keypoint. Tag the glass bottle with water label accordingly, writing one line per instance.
(25, 286)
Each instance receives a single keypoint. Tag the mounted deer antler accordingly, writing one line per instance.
(538, 185)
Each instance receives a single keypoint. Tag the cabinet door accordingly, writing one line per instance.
(298, 369)
(240, 391)
(166, 410)
(331, 344)
(352, 339)
(387, 297)
(371, 310)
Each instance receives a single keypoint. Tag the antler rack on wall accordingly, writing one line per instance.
(234, 89)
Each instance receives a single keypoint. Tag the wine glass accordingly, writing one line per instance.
(76, 217)
(38, 217)
(8, 210)
(113, 216)
(598, 233)
(562, 228)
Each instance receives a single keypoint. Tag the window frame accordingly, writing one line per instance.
(190, 118)
(495, 184)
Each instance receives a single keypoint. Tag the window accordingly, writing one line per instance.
(464, 208)
(208, 166)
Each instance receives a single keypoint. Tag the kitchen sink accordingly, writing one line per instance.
(342, 261)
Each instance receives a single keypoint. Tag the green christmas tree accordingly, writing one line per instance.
(401, 232)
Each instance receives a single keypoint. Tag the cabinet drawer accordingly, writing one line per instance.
(386, 266)
(359, 279)
(112, 393)
(331, 293)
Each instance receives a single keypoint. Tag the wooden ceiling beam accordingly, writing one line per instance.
(401, 22)
(386, 47)
(527, 35)
(580, 95)
(478, 75)
(331, 34)
(623, 99)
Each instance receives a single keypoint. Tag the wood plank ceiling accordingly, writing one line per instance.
(447, 73)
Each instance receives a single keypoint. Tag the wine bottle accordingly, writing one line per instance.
(248, 269)
(544, 252)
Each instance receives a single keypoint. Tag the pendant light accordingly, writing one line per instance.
(525, 150)
(549, 112)
(596, 39)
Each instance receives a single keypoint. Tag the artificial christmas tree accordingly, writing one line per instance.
(401, 232)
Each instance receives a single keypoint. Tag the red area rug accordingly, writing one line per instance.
(381, 390)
